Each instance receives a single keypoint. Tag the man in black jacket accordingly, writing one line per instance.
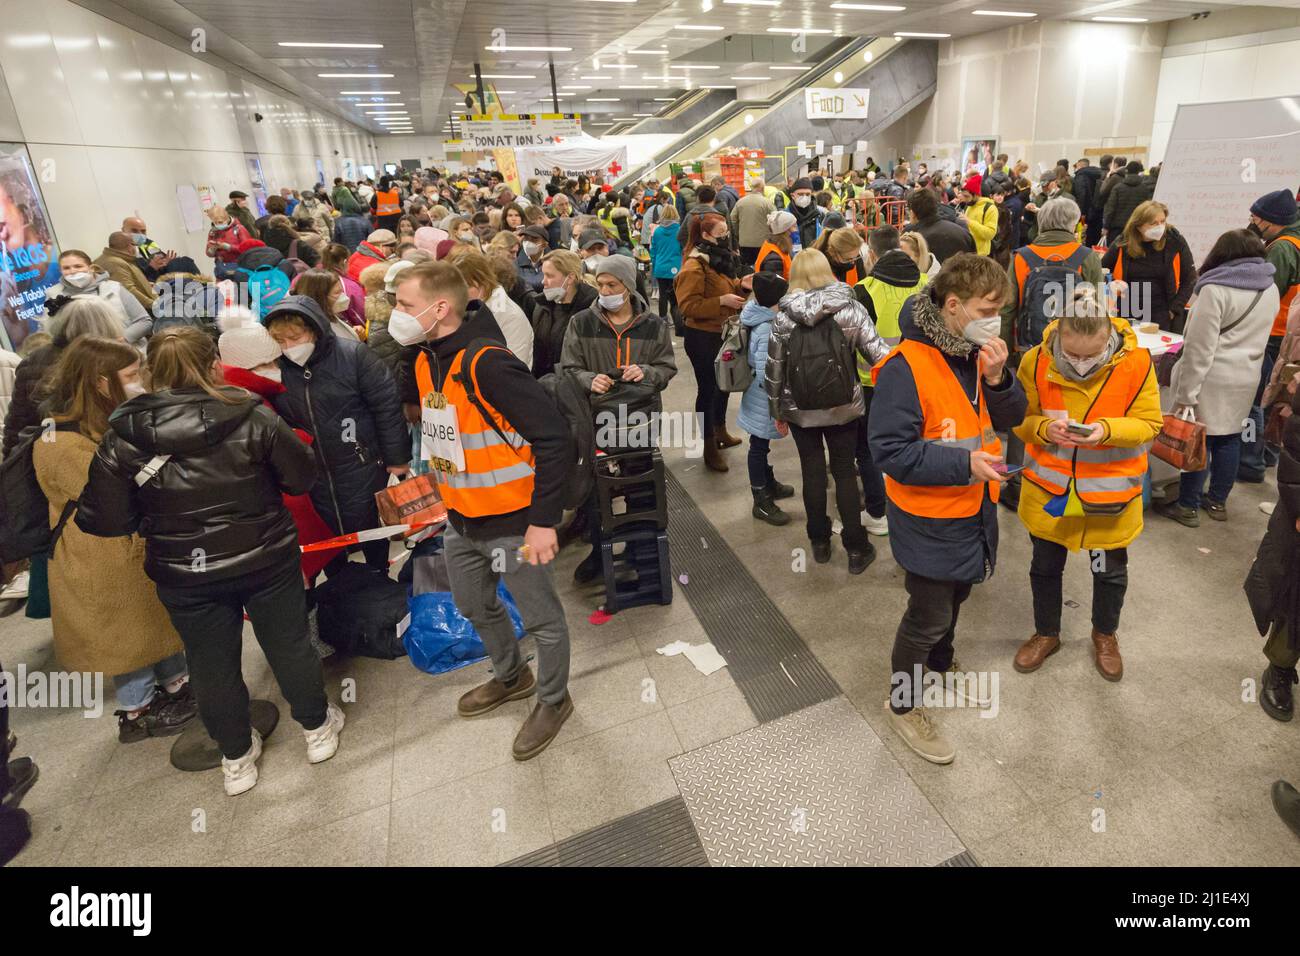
(945, 239)
(1087, 180)
(1124, 197)
(503, 502)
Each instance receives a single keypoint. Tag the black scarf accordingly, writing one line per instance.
(721, 259)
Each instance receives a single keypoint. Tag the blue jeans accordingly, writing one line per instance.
(1256, 456)
(1224, 454)
(136, 689)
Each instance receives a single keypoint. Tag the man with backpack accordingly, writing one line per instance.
(1042, 277)
(500, 451)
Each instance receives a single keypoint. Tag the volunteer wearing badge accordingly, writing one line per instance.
(500, 452)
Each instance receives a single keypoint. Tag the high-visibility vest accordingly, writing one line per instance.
(765, 250)
(1279, 321)
(1118, 274)
(1102, 474)
(388, 204)
(888, 301)
(948, 418)
(498, 475)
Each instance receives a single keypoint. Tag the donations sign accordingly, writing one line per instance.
(835, 102)
(521, 130)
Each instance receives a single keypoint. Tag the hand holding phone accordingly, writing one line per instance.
(1007, 471)
(1074, 428)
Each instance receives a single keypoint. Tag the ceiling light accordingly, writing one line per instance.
(715, 86)
(1120, 19)
(643, 114)
(647, 52)
(749, 118)
(664, 99)
(754, 3)
(838, 77)
(713, 143)
(898, 34)
(529, 49)
(755, 78)
(578, 87)
(690, 66)
(801, 69)
(866, 6)
(604, 99)
(696, 26)
(795, 30)
(370, 92)
(339, 46)
(595, 77)
(625, 87)
(355, 76)
(387, 113)
(1001, 13)
(509, 76)
(621, 66)
(867, 56)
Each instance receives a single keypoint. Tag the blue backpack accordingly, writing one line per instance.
(267, 285)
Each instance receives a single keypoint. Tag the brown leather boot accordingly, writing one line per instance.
(491, 695)
(541, 727)
(713, 459)
(1109, 663)
(1034, 651)
(724, 439)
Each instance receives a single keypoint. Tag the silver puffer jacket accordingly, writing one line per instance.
(835, 302)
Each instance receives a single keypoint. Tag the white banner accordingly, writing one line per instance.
(512, 132)
(835, 102)
(600, 163)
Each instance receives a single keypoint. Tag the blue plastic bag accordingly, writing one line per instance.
(440, 639)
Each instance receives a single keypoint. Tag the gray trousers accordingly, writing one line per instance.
(474, 568)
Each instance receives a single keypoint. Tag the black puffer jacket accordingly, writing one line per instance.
(29, 383)
(550, 322)
(1273, 584)
(346, 399)
(213, 511)
(1124, 197)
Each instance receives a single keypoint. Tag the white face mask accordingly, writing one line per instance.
(465, 237)
(80, 279)
(612, 303)
(132, 389)
(406, 328)
(980, 331)
(803, 202)
(531, 249)
(299, 354)
(341, 303)
(1084, 367)
(1153, 233)
(555, 294)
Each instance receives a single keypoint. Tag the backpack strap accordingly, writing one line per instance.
(68, 508)
(151, 468)
(467, 378)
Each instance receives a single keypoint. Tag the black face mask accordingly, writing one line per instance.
(1254, 227)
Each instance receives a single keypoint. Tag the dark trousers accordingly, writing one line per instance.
(1256, 456)
(760, 472)
(749, 254)
(1092, 232)
(1224, 453)
(668, 303)
(4, 734)
(1109, 583)
(209, 617)
(710, 401)
(925, 635)
(873, 482)
(841, 441)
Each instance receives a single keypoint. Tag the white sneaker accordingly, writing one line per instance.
(240, 774)
(1264, 506)
(323, 742)
(17, 588)
(877, 526)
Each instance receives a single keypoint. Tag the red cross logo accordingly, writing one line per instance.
(614, 168)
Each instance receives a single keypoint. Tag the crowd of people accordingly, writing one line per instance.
(901, 326)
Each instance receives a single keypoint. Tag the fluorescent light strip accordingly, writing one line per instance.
(801, 69)
(1120, 19)
(604, 99)
(931, 36)
(355, 76)
(715, 86)
(1001, 13)
(509, 76)
(387, 113)
(338, 46)
(662, 52)
(696, 26)
(751, 78)
(643, 114)
(595, 77)
(664, 99)
(883, 7)
(796, 30)
(690, 66)
(529, 49)
(370, 92)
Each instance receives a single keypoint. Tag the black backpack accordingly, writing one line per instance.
(1047, 281)
(358, 610)
(573, 403)
(24, 509)
(820, 367)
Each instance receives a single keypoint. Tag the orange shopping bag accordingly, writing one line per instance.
(1181, 442)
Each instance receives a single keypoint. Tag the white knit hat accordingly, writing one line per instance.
(780, 221)
(394, 273)
(244, 341)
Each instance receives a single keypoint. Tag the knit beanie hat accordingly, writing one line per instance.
(802, 182)
(244, 341)
(622, 268)
(428, 237)
(1278, 208)
(394, 273)
(780, 221)
(768, 288)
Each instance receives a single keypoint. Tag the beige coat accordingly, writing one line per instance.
(122, 269)
(106, 613)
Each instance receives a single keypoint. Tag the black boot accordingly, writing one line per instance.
(1286, 801)
(860, 560)
(765, 509)
(1275, 692)
(589, 569)
(162, 718)
(22, 774)
(778, 490)
(15, 831)
(821, 551)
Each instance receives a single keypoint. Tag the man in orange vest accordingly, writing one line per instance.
(941, 395)
(386, 204)
(499, 450)
(1275, 219)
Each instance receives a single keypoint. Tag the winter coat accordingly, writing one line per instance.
(530, 272)
(28, 392)
(1087, 182)
(9, 362)
(245, 218)
(551, 323)
(351, 231)
(137, 322)
(123, 268)
(992, 177)
(106, 612)
(378, 339)
(948, 549)
(836, 303)
(365, 256)
(698, 287)
(593, 345)
(1164, 293)
(808, 221)
(1139, 427)
(727, 199)
(1218, 373)
(219, 493)
(345, 398)
(315, 211)
(1273, 584)
(666, 251)
(345, 202)
(514, 324)
(945, 239)
(754, 416)
(234, 235)
(280, 240)
(982, 222)
(1124, 197)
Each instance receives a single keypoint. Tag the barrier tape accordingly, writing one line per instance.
(372, 534)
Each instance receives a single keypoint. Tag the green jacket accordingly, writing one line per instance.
(345, 202)
(245, 218)
(1091, 272)
(1285, 258)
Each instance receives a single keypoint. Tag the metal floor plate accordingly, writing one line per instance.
(659, 835)
(816, 787)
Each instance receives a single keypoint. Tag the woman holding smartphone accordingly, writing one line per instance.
(1094, 408)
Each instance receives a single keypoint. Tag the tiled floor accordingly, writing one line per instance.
(1176, 761)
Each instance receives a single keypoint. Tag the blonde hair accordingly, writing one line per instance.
(185, 357)
(565, 262)
(844, 242)
(1085, 315)
(474, 267)
(914, 245)
(811, 270)
(1142, 216)
(439, 280)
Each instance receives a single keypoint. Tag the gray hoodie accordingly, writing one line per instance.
(836, 302)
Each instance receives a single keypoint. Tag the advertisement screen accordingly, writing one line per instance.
(28, 255)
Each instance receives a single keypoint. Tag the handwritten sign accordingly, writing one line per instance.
(835, 102)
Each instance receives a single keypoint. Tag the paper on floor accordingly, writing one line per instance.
(704, 656)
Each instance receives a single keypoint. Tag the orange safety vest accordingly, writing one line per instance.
(388, 204)
(1102, 474)
(1279, 321)
(948, 418)
(763, 251)
(498, 475)
(1118, 274)
(1053, 254)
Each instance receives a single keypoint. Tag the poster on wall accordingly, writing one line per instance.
(320, 172)
(602, 164)
(350, 170)
(258, 181)
(28, 253)
(978, 151)
(207, 197)
(187, 198)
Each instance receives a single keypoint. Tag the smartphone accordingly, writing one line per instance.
(1005, 470)
(1074, 428)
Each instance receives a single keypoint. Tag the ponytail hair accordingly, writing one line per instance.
(184, 357)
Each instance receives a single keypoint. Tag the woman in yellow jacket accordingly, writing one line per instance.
(1094, 409)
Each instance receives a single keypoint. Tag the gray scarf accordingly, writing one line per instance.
(1068, 370)
(928, 318)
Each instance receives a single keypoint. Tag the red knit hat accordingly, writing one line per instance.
(972, 184)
